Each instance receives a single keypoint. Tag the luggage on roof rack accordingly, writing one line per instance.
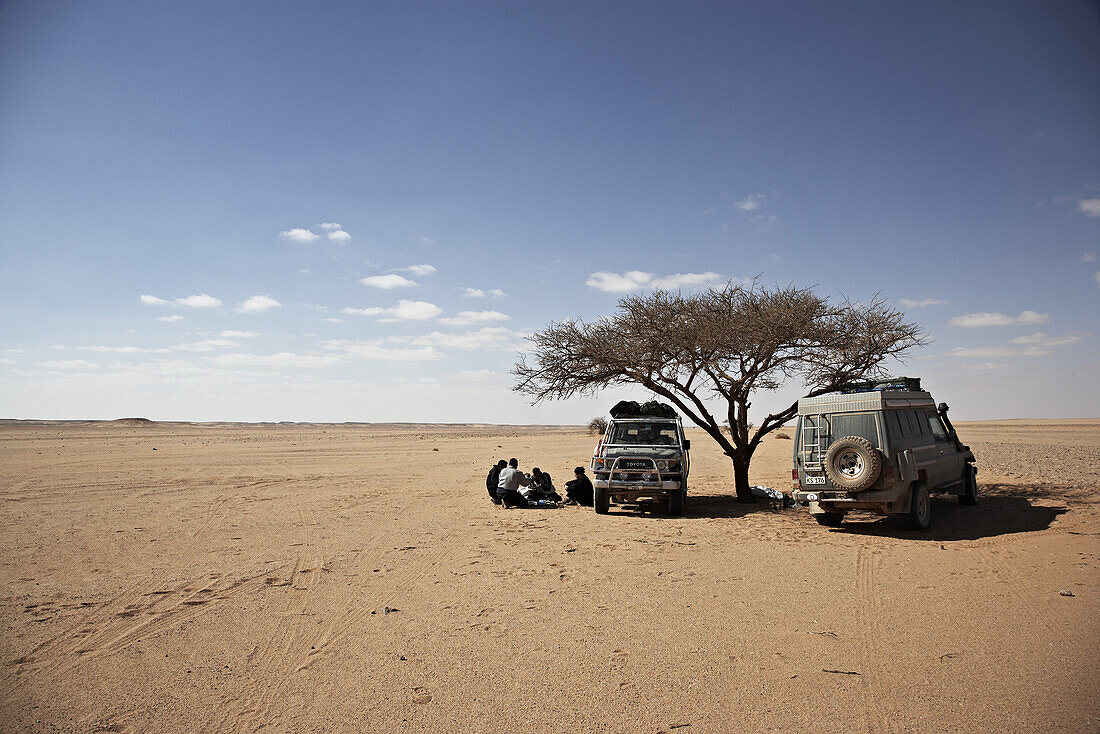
(631, 409)
(891, 383)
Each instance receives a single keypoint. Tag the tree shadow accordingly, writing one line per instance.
(1002, 509)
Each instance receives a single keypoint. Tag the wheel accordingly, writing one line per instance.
(852, 463)
(676, 503)
(601, 500)
(830, 519)
(919, 516)
(969, 495)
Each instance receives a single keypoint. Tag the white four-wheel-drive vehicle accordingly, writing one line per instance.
(643, 455)
(880, 446)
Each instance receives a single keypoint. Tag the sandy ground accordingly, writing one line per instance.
(355, 578)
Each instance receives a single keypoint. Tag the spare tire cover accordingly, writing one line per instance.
(853, 463)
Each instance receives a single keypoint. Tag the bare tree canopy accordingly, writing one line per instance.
(723, 343)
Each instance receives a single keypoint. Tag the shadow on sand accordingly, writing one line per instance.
(1002, 509)
(697, 506)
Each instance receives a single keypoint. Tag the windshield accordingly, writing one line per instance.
(644, 434)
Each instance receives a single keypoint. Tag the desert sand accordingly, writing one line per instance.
(299, 578)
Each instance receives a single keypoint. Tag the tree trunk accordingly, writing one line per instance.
(741, 479)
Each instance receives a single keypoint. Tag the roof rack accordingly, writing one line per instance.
(886, 385)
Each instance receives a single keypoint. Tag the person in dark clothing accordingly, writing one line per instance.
(579, 491)
(493, 478)
(542, 488)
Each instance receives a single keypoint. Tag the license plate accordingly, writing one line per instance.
(815, 480)
(841, 496)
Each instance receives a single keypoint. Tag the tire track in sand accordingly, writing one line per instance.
(881, 714)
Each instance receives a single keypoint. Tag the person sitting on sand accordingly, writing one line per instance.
(511, 479)
(578, 491)
(542, 488)
(493, 478)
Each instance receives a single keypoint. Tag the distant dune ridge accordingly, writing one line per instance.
(132, 422)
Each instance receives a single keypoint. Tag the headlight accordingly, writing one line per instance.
(662, 466)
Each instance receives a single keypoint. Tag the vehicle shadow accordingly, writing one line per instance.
(1002, 509)
(697, 506)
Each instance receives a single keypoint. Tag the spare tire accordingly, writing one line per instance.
(852, 463)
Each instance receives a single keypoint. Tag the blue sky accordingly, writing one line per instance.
(413, 187)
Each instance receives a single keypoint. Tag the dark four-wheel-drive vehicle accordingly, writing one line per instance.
(643, 455)
(879, 446)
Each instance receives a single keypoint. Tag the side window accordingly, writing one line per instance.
(906, 424)
(894, 424)
(920, 426)
(937, 427)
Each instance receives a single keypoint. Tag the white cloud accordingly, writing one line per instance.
(258, 304)
(482, 374)
(427, 240)
(633, 280)
(403, 311)
(298, 234)
(387, 282)
(125, 350)
(466, 318)
(199, 300)
(908, 303)
(170, 319)
(479, 293)
(340, 236)
(607, 282)
(68, 364)
(489, 337)
(234, 334)
(1089, 207)
(1088, 257)
(1096, 277)
(373, 350)
(333, 320)
(424, 269)
(1042, 340)
(329, 226)
(750, 203)
(982, 352)
(206, 345)
(5, 360)
(975, 320)
(686, 280)
(280, 359)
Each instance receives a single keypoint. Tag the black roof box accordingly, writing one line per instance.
(652, 409)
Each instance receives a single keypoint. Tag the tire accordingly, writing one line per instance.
(919, 516)
(852, 463)
(676, 503)
(601, 500)
(969, 495)
(830, 519)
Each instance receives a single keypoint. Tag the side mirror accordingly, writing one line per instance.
(687, 444)
(941, 408)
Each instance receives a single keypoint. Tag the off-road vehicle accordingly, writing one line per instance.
(643, 455)
(880, 446)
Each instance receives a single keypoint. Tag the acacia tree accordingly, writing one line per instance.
(726, 343)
